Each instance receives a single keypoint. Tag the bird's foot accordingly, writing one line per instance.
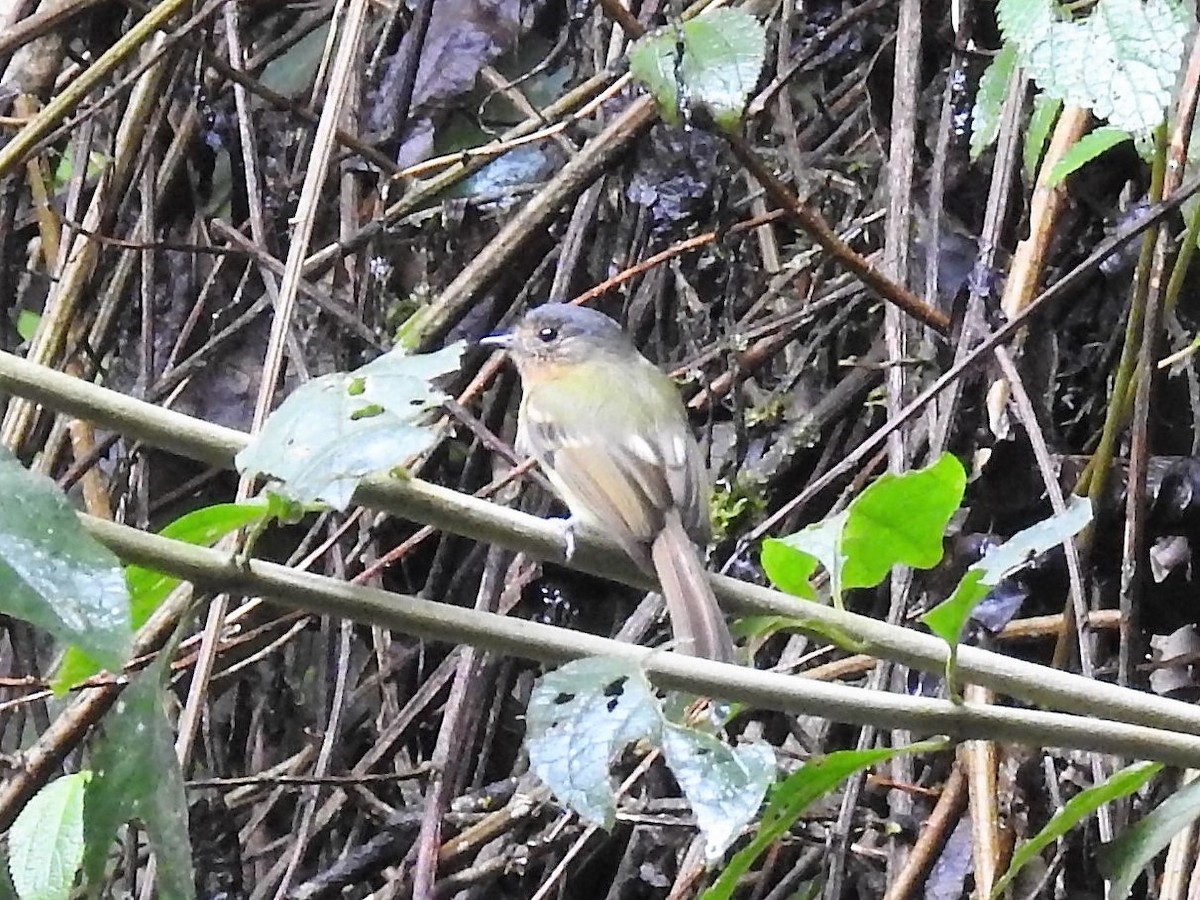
(568, 534)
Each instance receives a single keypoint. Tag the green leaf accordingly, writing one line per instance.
(789, 568)
(580, 716)
(1090, 146)
(1127, 857)
(27, 324)
(583, 714)
(148, 589)
(55, 575)
(335, 430)
(137, 776)
(1078, 808)
(203, 528)
(792, 796)
(722, 57)
(45, 842)
(1120, 61)
(989, 100)
(899, 519)
(1041, 120)
(724, 785)
(949, 617)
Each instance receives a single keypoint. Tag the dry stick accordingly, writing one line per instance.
(945, 815)
(1183, 845)
(898, 338)
(15, 151)
(469, 162)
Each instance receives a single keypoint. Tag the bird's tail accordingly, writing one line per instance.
(696, 619)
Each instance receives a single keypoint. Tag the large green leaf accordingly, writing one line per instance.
(711, 62)
(335, 430)
(55, 575)
(898, 520)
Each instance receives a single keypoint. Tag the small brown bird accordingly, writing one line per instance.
(610, 432)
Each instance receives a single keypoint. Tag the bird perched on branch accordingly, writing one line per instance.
(610, 432)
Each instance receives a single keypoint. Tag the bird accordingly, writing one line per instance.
(609, 431)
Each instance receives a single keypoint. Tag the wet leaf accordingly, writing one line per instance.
(724, 785)
(582, 715)
(53, 574)
(148, 589)
(137, 776)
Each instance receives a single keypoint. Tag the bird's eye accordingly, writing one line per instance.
(546, 335)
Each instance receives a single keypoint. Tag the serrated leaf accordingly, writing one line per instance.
(899, 519)
(792, 796)
(1041, 121)
(989, 99)
(1121, 784)
(580, 717)
(331, 433)
(148, 589)
(949, 617)
(1126, 858)
(45, 842)
(137, 776)
(724, 785)
(1120, 61)
(1091, 145)
(53, 574)
(711, 62)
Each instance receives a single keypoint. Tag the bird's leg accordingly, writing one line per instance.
(569, 527)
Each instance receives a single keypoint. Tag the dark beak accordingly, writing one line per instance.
(503, 341)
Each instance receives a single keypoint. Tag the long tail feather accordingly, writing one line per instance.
(696, 619)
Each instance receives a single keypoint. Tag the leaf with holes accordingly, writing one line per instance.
(331, 433)
(580, 717)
